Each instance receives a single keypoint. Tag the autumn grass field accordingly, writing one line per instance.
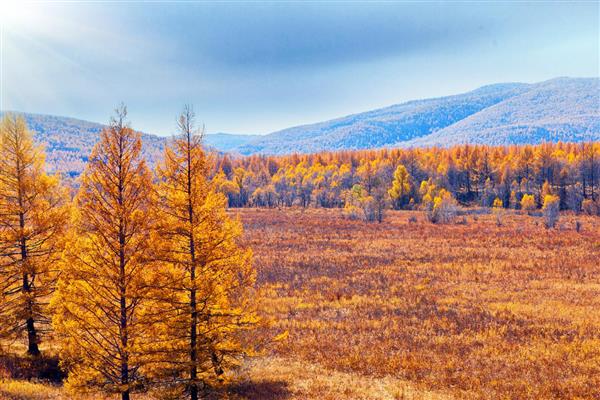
(407, 309)
(470, 310)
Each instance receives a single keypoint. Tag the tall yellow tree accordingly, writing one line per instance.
(401, 186)
(208, 275)
(33, 214)
(102, 294)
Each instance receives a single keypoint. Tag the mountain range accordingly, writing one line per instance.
(561, 109)
(566, 109)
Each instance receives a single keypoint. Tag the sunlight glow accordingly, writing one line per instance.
(15, 15)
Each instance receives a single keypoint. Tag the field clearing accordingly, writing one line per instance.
(473, 310)
(413, 310)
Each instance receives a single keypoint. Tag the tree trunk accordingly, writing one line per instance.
(32, 348)
(123, 325)
(193, 306)
(193, 337)
(32, 342)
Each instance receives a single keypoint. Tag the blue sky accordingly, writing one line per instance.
(262, 66)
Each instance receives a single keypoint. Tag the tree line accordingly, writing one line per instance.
(138, 279)
(375, 180)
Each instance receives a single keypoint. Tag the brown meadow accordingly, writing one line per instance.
(475, 310)
(414, 310)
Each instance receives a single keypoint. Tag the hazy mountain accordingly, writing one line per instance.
(560, 109)
(69, 141)
(227, 141)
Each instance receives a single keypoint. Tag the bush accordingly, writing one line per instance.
(369, 207)
(358, 202)
(462, 221)
(498, 210)
(590, 207)
(550, 210)
(528, 203)
(27, 367)
(443, 209)
(351, 212)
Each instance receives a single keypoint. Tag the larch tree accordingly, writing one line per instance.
(208, 275)
(33, 214)
(102, 297)
(401, 187)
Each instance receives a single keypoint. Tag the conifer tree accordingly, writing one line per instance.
(103, 289)
(208, 274)
(401, 186)
(33, 214)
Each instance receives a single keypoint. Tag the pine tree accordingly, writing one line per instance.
(208, 275)
(33, 214)
(102, 296)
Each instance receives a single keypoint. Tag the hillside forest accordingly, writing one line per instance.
(367, 183)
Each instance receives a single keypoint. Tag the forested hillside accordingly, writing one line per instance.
(377, 128)
(558, 110)
(566, 109)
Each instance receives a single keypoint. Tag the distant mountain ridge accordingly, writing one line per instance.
(566, 109)
(227, 141)
(69, 141)
(561, 109)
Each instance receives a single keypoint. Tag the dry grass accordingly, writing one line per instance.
(25, 390)
(480, 310)
(404, 310)
(280, 378)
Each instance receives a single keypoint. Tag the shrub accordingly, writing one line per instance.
(590, 207)
(551, 210)
(498, 210)
(370, 209)
(443, 209)
(574, 197)
(351, 212)
(528, 203)
(357, 200)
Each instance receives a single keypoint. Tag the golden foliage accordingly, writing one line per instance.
(205, 277)
(471, 174)
(100, 305)
(528, 203)
(33, 217)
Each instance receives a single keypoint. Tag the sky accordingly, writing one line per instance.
(258, 67)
